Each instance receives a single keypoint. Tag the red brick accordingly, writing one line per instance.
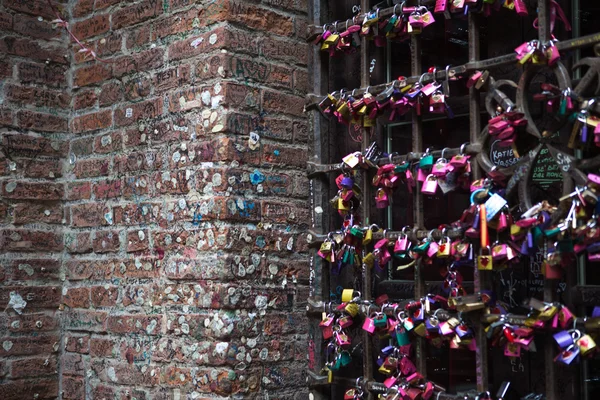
(31, 146)
(83, 146)
(248, 15)
(41, 122)
(296, 5)
(106, 242)
(171, 78)
(105, 296)
(27, 389)
(25, 213)
(78, 191)
(84, 99)
(196, 45)
(92, 74)
(78, 243)
(139, 268)
(137, 88)
(136, 186)
(110, 94)
(33, 367)
(91, 168)
(6, 69)
(285, 156)
(149, 324)
(103, 392)
(36, 322)
(77, 297)
(85, 320)
(91, 122)
(6, 21)
(128, 374)
(138, 161)
(48, 169)
(6, 116)
(109, 44)
(101, 4)
(109, 143)
(90, 27)
(146, 109)
(41, 344)
(107, 189)
(174, 23)
(89, 215)
(102, 347)
(137, 240)
(35, 296)
(137, 37)
(77, 343)
(136, 213)
(83, 8)
(284, 212)
(52, 75)
(33, 191)
(293, 52)
(72, 364)
(36, 8)
(31, 49)
(37, 96)
(32, 269)
(73, 387)
(278, 102)
(134, 14)
(143, 61)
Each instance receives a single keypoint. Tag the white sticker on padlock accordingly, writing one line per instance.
(493, 205)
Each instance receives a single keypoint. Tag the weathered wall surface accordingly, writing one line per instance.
(35, 104)
(171, 232)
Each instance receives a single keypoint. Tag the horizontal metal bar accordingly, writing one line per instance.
(471, 149)
(495, 62)
(315, 239)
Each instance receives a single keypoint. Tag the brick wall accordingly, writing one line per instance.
(170, 239)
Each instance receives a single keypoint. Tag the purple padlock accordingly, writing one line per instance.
(347, 182)
(564, 339)
(596, 312)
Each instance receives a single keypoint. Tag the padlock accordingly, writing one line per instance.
(380, 320)
(401, 244)
(565, 317)
(568, 355)
(415, 20)
(345, 321)
(381, 199)
(444, 248)
(586, 344)
(430, 185)
(499, 252)
(402, 335)
(512, 350)
(342, 339)
(369, 325)
(564, 339)
(432, 249)
(407, 367)
(484, 259)
(352, 309)
(390, 381)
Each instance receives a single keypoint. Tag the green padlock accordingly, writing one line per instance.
(380, 320)
(426, 162)
(345, 358)
(402, 336)
(356, 231)
(402, 167)
(422, 248)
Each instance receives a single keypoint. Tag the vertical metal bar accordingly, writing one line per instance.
(549, 285)
(419, 220)
(366, 198)
(481, 278)
(319, 188)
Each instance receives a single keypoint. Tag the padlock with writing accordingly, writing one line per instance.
(484, 259)
(430, 185)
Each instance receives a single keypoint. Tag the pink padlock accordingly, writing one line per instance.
(552, 53)
(512, 350)
(381, 199)
(430, 185)
(432, 249)
(421, 175)
(565, 317)
(440, 6)
(401, 244)
(520, 8)
(369, 325)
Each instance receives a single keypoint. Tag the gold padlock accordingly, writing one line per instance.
(484, 260)
(586, 344)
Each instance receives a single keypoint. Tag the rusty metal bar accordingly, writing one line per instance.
(318, 188)
(471, 149)
(490, 63)
(481, 278)
(367, 281)
(418, 215)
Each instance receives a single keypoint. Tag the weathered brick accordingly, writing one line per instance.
(41, 344)
(36, 322)
(6, 69)
(85, 320)
(48, 169)
(25, 240)
(78, 242)
(171, 78)
(91, 122)
(25, 213)
(110, 94)
(31, 26)
(136, 13)
(33, 191)
(52, 75)
(35, 296)
(85, 99)
(40, 97)
(284, 212)
(77, 297)
(78, 191)
(83, 8)
(33, 146)
(285, 50)
(92, 74)
(91, 168)
(108, 189)
(146, 109)
(104, 296)
(137, 88)
(137, 241)
(109, 44)
(41, 122)
(90, 215)
(106, 241)
(137, 37)
(83, 146)
(73, 387)
(143, 61)
(27, 389)
(33, 50)
(72, 364)
(282, 103)
(90, 27)
(6, 21)
(33, 367)
(102, 347)
(33, 269)
(77, 343)
(148, 324)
